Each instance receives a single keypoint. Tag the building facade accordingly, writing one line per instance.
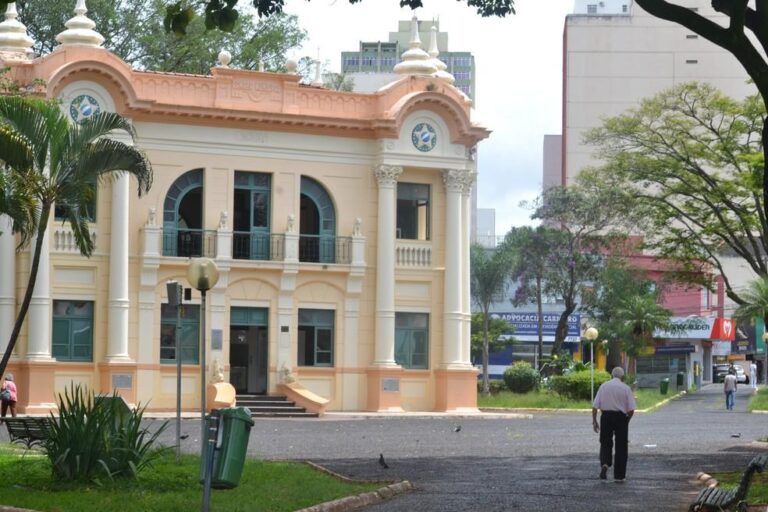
(339, 223)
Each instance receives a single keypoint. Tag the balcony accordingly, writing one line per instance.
(413, 254)
(325, 249)
(189, 243)
(257, 246)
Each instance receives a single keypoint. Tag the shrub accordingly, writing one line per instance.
(495, 386)
(578, 385)
(521, 377)
(92, 438)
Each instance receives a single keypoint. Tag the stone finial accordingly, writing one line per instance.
(224, 59)
(357, 227)
(223, 218)
(441, 66)
(261, 66)
(80, 30)
(15, 43)
(218, 372)
(415, 61)
(291, 226)
(318, 81)
(291, 66)
(151, 217)
(286, 375)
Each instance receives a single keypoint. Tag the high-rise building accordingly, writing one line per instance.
(371, 66)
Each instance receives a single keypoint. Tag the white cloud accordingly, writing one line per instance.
(519, 78)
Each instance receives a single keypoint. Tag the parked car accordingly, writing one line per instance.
(721, 370)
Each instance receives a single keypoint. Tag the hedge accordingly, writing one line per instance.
(578, 385)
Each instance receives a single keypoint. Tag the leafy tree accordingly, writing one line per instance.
(533, 249)
(489, 271)
(745, 36)
(755, 305)
(641, 315)
(604, 299)
(589, 218)
(57, 162)
(130, 31)
(223, 14)
(689, 161)
(496, 328)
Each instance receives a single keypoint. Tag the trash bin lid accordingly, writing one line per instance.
(239, 413)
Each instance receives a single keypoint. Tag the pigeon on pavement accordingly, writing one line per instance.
(382, 462)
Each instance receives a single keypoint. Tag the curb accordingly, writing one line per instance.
(358, 501)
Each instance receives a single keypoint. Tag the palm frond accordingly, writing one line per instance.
(106, 157)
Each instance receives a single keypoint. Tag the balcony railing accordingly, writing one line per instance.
(413, 254)
(257, 246)
(325, 249)
(189, 243)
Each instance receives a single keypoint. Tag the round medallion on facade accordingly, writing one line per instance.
(83, 107)
(424, 137)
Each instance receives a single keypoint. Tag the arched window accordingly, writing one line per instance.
(183, 216)
(317, 223)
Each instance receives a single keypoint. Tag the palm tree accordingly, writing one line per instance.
(18, 204)
(489, 270)
(640, 316)
(755, 305)
(54, 161)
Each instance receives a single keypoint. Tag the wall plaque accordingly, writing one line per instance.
(216, 339)
(391, 385)
(122, 381)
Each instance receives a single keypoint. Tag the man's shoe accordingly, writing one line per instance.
(604, 472)
(619, 480)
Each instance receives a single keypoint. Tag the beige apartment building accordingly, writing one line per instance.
(339, 223)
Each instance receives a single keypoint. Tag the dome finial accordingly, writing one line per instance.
(441, 66)
(415, 61)
(80, 30)
(15, 43)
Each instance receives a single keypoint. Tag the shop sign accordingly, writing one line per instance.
(704, 328)
(527, 326)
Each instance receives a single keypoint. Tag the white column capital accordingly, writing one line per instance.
(458, 180)
(386, 175)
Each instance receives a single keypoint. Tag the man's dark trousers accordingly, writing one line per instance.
(614, 423)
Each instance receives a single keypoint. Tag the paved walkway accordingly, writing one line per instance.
(540, 461)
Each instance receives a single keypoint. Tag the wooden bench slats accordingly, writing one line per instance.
(713, 498)
(28, 431)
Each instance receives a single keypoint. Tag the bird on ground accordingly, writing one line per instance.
(382, 462)
(183, 436)
(457, 429)
(736, 435)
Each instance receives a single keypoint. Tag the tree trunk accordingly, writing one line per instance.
(540, 326)
(42, 226)
(486, 381)
(561, 332)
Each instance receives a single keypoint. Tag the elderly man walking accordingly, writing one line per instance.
(617, 405)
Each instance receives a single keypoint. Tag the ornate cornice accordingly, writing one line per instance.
(386, 175)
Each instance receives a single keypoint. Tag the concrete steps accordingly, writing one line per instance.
(263, 406)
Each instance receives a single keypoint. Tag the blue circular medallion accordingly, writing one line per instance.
(83, 107)
(424, 137)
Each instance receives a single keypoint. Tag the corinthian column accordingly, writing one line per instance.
(386, 177)
(466, 216)
(117, 342)
(454, 180)
(8, 281)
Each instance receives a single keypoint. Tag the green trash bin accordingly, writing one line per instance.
(664, 386)
(229, 458)
(680, 379)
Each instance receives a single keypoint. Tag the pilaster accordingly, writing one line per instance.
(8, 281)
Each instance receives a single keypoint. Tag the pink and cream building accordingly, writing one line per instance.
(339, 223)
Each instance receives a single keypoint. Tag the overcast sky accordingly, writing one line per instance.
(519, 78)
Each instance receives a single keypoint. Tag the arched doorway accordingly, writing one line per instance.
(317, 223)
(183, 216)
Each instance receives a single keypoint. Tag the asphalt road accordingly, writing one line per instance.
(547, 462)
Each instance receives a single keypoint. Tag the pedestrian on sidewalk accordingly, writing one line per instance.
(617, 405)
(7, 397)
(729, 387)
(753, 375)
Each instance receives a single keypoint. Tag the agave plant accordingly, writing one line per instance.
(95, 437)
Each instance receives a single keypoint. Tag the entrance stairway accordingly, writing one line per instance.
(263, 406)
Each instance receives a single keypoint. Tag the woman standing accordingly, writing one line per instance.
(8, 396)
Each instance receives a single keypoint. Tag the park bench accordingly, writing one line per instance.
(714, 499)
(28, 431)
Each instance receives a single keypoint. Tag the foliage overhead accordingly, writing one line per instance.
(689, 160)
(223, 14)
(131, 32)
(57, 161)
(496, 327)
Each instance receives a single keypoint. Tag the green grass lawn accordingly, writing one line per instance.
(542, 399)
(758, 491)
(265, 486)
(759, 401)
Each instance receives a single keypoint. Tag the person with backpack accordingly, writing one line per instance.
(7, 397)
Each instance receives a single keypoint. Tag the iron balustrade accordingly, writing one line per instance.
(325, 249)
(256, 246)
(189, 243)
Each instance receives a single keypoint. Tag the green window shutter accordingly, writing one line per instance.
(61, 339)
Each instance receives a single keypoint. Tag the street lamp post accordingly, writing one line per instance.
(591, 335)
(202, 275)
